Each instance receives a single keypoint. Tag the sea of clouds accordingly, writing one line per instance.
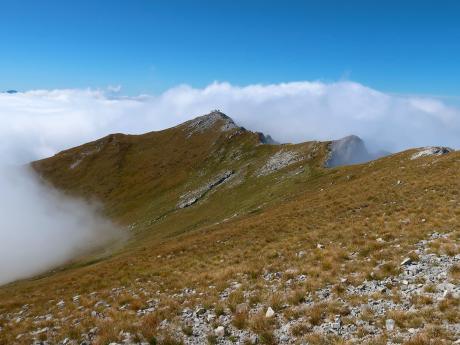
(37, 124)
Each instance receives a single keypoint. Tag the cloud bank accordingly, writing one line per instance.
(40, 228)
(36, 124)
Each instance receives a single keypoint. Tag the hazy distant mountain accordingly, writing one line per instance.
(350, 150)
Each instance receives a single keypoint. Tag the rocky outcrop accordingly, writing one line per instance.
(192, 197)
(278, 161)
(431, 151)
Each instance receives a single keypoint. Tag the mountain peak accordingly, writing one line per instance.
(352, 138)
(214, 119)
(348, 150)
(218, 113)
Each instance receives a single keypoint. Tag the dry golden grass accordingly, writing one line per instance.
(263, 327)
(149, 326)
(406, 319)
(240, 320)
(423, 340)
(301, 329)
(315, 314)
(316, 339)
(455, 273)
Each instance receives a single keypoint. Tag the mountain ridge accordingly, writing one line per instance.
(235, 241)
(164, 162)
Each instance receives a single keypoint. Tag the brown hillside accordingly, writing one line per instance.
(224, 227)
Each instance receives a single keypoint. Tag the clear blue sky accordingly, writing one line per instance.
(149, 46)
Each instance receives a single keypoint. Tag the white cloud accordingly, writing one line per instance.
(38, 123)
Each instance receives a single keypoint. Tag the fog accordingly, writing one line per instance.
(40, 228)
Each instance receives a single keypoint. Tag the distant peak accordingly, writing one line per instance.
(348, 150)
(266, 139)
(349, 139)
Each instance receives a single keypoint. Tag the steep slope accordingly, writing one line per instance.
(236, 241)
(145, 179)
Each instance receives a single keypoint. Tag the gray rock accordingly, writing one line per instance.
(192, 197)
(278, 161)
(389, 325)
(431, 151)
(219, 331)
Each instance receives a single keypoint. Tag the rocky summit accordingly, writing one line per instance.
(233, 238)
(349, 150)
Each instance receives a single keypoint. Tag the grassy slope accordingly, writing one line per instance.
(140, 178)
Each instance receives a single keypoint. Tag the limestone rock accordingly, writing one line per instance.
(390, 325)
(219, 331)
(270, 313)
(431, 151)
(278, 161)
(192, 197)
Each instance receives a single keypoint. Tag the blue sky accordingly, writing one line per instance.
(149, 46)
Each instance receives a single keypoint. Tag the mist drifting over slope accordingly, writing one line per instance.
(40, 228)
